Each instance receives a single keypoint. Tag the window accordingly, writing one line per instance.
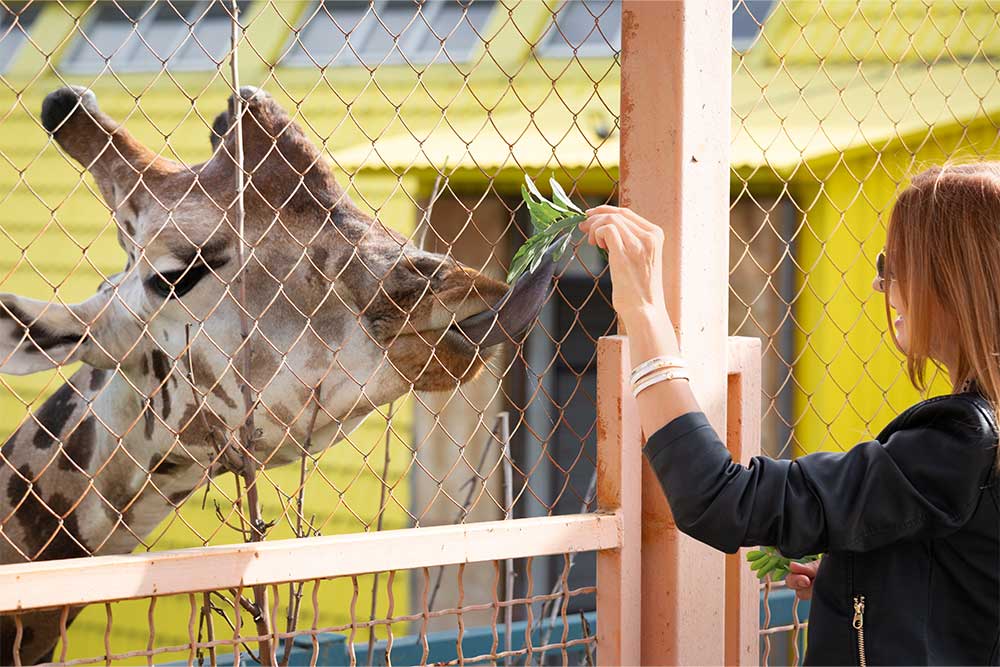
(748, 17)
(15, 19)
(142, 36)
(585, 28)
(355, 32)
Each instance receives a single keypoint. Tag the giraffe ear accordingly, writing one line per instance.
(39, 335)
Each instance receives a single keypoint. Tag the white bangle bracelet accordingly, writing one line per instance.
(654, 364)
(661, 376)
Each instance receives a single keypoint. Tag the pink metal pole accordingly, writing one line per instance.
(619, 476)
(675, 104)
(743, 440)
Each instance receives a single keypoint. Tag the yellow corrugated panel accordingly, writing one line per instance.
(832, 31)
(806, 115)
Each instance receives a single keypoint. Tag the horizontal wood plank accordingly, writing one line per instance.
(106, 578)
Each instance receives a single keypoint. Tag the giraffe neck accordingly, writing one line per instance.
(98, 456)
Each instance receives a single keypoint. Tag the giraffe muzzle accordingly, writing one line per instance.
(515, 312)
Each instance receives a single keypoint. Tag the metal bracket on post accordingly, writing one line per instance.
(619, 491)
(743, 416)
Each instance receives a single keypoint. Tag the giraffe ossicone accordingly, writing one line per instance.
(341, 314)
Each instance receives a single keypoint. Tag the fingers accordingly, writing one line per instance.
(807, 569)
(635, 234)
(801, 584)
(800, 578)
(637, 220)
(610, 238)
(798, 581)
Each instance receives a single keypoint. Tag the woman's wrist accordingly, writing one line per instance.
(650, 333)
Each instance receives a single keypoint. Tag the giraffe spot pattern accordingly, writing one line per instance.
(78, 449)
(98, 379)
(53, 415)
(39, 519)
(161, 367)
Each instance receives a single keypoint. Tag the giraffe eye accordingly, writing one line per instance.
(174, 284)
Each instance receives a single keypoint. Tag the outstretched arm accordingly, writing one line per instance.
(878, 492)
(635, 256)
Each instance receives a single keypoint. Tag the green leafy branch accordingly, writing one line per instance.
(768, 560)
(552, 223)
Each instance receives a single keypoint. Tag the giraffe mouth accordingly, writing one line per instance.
(515, 312)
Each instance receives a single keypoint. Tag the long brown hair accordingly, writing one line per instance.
(943, 248)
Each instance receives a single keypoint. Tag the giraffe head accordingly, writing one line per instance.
(290, 290)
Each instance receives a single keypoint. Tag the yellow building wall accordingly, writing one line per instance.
(850, 380)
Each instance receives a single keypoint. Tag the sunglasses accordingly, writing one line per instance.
(880, 265)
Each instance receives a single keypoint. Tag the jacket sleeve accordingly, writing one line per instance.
(923, 481)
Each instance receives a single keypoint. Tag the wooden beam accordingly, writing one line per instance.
(743, 440)
(675, 103)
(56, 583)
(619, 477)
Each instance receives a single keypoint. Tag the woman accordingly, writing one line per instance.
(910, 521)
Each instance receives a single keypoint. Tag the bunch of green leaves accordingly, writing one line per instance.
(552, 223)
(768, 560)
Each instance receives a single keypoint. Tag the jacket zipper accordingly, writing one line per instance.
(859, 628)
(858, 623)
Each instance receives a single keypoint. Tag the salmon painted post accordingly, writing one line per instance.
(675, 100)
(619, 475)
(743, 418)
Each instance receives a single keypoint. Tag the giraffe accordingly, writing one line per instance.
(343, 315)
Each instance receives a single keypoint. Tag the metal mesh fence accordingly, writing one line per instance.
(307, 198)
(220, 627)
(278, 356)
(835, 105)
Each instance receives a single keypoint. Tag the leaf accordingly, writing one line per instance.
(781, 570)
(538, 195)
(567, 224)
(542, 215)
(519, 262)
(561, 247)
(552, 228)
(560, 196)
(539, 256)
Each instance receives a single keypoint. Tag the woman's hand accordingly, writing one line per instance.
(635, 257)
(800, 578)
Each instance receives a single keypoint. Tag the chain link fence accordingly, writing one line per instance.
(835, 106)
(260, 225)
(278, 357)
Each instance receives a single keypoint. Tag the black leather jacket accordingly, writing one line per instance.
(909, 521)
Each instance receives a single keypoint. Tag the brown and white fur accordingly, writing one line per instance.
(339, 307)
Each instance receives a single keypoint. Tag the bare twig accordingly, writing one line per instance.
(206, 612)
(221, 612)
(248, 432)
(585, 629)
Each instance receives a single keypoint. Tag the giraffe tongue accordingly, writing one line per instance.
(515, 312)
